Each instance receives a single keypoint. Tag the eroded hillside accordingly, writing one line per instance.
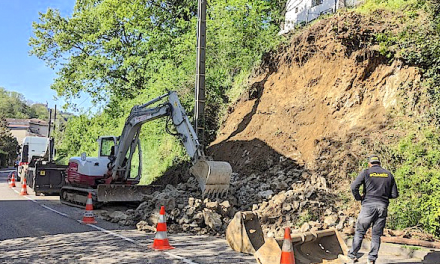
(322, 101)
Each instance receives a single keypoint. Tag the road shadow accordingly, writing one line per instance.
(100, 247)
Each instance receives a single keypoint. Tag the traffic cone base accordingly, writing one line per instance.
(161, 240)
(12, 184)
(287, 256)
(23, 188)
(89, 220)
(161, 244)
(89, 217)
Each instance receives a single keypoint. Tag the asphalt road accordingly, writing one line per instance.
(42, 230)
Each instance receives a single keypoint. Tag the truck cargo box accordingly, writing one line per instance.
(46, 178)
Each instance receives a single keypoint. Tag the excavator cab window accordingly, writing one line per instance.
(107, 144)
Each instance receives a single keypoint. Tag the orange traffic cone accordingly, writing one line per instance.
(23, 188)
(287, 256)
(161, 240)
(89, 217)
(12, 184)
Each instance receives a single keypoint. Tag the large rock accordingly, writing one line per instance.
(265, 194)
(279, 198)
(144, 226)
(330, 220)
(117, 216)
(164, 199)
(212, 219)
(226, 209)
(211, 205)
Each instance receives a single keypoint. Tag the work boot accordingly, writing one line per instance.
(371, 261)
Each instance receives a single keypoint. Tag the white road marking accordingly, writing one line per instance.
(105, 230)
(53, 210)
(181, 258)
(112, 233)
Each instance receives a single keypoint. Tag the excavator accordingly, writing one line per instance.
(109, 177)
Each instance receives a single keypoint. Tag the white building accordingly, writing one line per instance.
(301, 12)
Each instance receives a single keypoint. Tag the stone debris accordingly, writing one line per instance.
(281, 196)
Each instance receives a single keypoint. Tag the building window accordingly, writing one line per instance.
(316, 2)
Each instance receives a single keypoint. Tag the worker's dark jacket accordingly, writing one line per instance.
(379, 186)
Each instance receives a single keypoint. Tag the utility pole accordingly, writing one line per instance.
(55, 118)
(50, 122)
(199, 110)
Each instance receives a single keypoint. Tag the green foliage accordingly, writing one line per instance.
(8, 145)
(81, 134)
(411, 248)
(304, 217)
(418, 178)
(14, 105)
(128, 52)
(417, 42)
(393, 5)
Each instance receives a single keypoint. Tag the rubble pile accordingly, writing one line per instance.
(281, 196)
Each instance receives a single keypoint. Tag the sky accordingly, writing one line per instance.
(20, 71)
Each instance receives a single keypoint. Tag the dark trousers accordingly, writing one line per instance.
(371, 214)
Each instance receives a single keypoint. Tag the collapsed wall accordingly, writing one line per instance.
(313, 111)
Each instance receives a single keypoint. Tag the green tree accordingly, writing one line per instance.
(109, 46)
(113, 47)
(8, 145)
(12, 105)
(39, 111)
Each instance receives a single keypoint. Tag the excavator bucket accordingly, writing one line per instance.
(244, 234)
(213, 176)
(322, 246)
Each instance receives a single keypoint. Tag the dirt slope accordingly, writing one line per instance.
(323, 100)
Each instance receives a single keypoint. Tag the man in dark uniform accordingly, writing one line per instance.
(378, 187)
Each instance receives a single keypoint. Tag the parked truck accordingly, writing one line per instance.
(31, 147)
(43, 174)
